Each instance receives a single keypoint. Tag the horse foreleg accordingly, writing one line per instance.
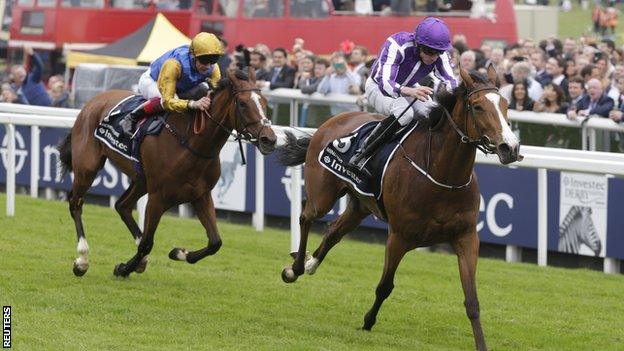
(205, 210)
(467, 250)
(347, 222)
(395, 250)
(153, 213)
(82, 182)
(124, 207)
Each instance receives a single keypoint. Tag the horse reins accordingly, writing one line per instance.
(483, 144)
(243, 135)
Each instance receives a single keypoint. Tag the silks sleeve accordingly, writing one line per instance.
(167, 79)
(215, 77)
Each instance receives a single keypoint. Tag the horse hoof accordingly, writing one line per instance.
(78, 270)
(120, 270)
(288, 275)
(311, 264)
(178, 254)
(142, 265)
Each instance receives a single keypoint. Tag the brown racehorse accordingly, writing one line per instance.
(438, 205)
(179, 166)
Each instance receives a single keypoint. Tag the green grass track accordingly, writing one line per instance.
(236, 300)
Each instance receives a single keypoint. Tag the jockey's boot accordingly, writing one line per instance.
(378, 137)
(146, 109)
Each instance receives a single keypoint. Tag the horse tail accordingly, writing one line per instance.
(294, 151)
(64, 148)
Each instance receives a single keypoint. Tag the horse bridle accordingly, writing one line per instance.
(483, 143)
(241, 135)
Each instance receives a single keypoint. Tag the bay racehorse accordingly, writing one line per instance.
(179, 166)
(438, 203)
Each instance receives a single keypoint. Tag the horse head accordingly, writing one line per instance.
(249, 112)
(489, 129)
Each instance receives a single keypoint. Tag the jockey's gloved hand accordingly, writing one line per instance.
(201, 104)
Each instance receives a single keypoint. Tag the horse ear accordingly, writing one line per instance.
(252, 74)
(492, 76)
(232, 77)
(465, 76)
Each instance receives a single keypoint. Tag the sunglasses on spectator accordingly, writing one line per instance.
(208, 59)
(339, 66)
(430, 51)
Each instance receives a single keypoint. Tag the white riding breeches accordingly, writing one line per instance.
(147, 86)
(387, 105)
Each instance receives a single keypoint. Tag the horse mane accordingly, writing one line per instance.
(226, 83)
(446, 99)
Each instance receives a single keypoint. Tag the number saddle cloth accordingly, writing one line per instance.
(111, 134)
(367, 181)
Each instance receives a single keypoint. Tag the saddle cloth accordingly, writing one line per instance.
(335, 158)
(110, 133)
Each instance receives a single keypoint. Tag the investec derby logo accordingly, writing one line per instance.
(108, 132)
(20, 151)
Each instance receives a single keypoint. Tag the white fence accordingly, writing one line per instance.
(542, 159)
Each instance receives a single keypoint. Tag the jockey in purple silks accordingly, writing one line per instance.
(405, 59)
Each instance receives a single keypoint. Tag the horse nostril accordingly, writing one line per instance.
(264, 140)
(504, 149)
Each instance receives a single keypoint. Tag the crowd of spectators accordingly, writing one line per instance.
(24, 84)
(578, 77)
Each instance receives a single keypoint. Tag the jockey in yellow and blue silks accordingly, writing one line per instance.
(174, 81)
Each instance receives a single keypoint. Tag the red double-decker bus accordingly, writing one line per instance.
(81, 24)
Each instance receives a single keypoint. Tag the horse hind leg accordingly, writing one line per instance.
(346, 223)
(467, 250)
(315, 207)
(205, 210)
(83, 178)
(124, 207)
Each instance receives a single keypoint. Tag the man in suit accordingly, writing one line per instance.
(258, 61)
(280, 75)
(596, 102)
(538, 60)
(555, 67)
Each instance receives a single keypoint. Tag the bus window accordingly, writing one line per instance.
(84, 3)
(46, 3)
(309, 8)
(264, 8)
(227, 8)
(127, 4)
(26, 3)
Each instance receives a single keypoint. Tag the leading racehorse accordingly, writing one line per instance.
(430, 192)
(179, 166)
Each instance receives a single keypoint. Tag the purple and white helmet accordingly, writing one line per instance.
(434, 33)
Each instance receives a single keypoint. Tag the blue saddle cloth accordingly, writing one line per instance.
(335, 157)
(111, 134)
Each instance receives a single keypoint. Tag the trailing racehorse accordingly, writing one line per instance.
(430, 192)
(179, 166)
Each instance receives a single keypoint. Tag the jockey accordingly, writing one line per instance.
(405, 59)
(174, 81)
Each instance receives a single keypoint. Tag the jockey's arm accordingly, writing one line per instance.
(444, 68)
(169, 74)
(389, 63)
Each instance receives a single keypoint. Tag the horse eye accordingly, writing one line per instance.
(478, 108)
